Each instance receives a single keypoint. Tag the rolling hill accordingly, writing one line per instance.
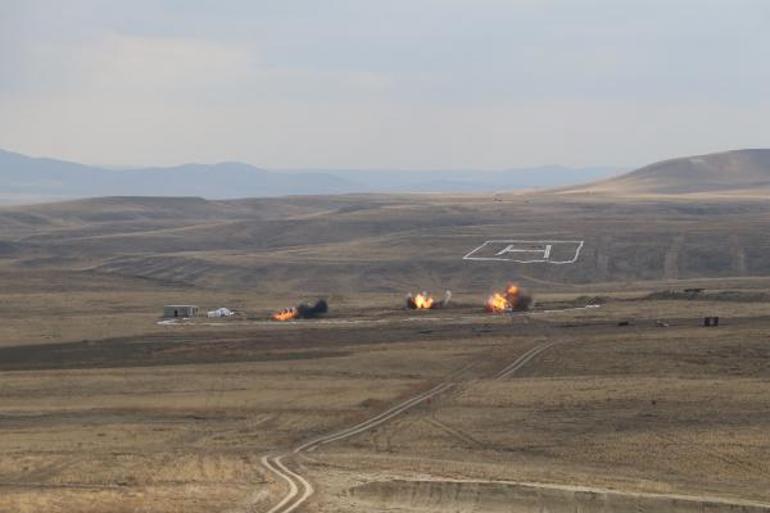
(373, 243)
(390, 242)
(727, 172)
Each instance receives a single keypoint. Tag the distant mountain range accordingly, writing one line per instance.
(28, 179)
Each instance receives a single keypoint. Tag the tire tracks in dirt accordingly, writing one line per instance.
(300, 489)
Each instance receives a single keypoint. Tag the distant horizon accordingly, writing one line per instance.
(126, 167)
(617, 169)
(27, 177)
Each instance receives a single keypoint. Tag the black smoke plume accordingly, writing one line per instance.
(308, 311)
(524, 301)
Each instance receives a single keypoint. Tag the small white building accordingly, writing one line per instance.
(184, 311)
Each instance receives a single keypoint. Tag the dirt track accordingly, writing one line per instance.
(506, 496)
(520, 496)
(294, 499)
(638, 409)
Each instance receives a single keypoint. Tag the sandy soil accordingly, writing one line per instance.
(179, 418)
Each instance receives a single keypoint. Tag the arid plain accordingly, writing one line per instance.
(609, 395)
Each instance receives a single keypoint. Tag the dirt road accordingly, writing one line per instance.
(300, 489)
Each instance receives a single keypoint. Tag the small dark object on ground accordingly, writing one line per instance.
(307, 311)
(624, 323)
(693, 293)
(710, 322)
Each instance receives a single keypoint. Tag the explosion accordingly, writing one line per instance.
(302, 311)
(285, 314)
(514, 298)
(421, 301)
(424, 301)
(497, 303)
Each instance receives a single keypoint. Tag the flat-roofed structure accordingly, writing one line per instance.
(173, 311)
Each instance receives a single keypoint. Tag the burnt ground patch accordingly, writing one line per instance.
(119, 353)
(273, 344)
(282, 343)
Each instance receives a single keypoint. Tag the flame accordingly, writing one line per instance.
(497, 303)
(302, 311)
(503, 302)
(286, 314)
(423, 301)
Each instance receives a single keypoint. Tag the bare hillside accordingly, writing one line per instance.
(731, 171)
(339, 244)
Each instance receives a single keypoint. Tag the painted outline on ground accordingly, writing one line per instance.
(528, 251)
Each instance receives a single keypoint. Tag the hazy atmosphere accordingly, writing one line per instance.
(411, 256)
(407, 84)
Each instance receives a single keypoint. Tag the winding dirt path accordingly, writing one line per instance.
(300, 489)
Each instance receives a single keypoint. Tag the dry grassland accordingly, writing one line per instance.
(104, 410)
(640, 408)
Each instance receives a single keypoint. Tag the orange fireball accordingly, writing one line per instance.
(286, 314)
(423, 301)
(497, 303)
(503, 301)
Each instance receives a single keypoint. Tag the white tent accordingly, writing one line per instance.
(221, 312)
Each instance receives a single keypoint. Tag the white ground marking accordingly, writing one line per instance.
(512, 248)
(527, 251)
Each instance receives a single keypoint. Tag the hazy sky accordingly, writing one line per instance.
(386, 83)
